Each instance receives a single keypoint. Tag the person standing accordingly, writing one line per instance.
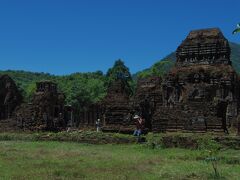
(139, 125)
(98, 125)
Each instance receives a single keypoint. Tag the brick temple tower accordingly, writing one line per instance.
(201, 92)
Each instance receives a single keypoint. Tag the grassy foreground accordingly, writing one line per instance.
(67, 160)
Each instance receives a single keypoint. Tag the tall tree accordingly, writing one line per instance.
(120, 71)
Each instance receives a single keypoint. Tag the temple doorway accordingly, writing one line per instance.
(146, 113)
(221, 112)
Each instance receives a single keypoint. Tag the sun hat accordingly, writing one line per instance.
(136, 117)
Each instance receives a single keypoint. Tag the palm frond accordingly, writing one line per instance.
(236, 31)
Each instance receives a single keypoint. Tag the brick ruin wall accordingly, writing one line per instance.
(202, 91)
(46, 110)
(10, 97)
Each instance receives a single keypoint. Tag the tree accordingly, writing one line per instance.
(82, 89)
(120, 71)
(158, 69)
(29, 91)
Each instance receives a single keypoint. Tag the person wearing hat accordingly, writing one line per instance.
(139, 125)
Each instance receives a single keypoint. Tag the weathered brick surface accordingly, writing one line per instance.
(10, 97)
(202, 91)
(45, 112)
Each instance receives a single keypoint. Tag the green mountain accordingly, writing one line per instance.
(165, 64)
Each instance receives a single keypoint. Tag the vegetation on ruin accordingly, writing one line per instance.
(64, 160)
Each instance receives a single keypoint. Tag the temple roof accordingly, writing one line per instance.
(210, 35)
(204, 46)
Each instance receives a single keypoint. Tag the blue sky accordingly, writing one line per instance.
(66, 36)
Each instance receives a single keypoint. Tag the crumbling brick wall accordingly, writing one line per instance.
(117, 108)
(10, 97)
(147, 98)
(46, 110)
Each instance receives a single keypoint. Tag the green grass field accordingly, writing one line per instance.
(65, 160)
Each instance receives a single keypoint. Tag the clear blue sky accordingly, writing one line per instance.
(66, 36)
